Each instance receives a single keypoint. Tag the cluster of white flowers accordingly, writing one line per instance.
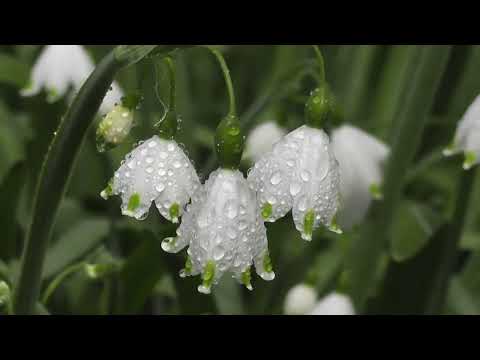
(223, 220)
(60, 67)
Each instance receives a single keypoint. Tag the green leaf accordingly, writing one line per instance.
(13, 72)
(75, 244)
(412, 228)
(460, 299)
(141, 272)
(14, 133)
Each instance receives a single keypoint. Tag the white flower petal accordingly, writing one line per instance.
(334, 304)
(361, 159)
(300, 300)
(223, 227)
(261, 140)
(300, 172)
(157, 170)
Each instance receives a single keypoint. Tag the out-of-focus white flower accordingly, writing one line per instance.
(114, 127)
(302, 173)
(157, 170)
(224, 232)
(300, 300)
(467, 136)
(333, 304)
(261, 140)
(361, 159)
(61, 66)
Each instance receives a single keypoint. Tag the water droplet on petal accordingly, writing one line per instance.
(276, 178)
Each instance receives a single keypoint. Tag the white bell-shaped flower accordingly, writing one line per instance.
(224, 232)
(261, 140)
(300, 300)
(60, 67)
(333, 304)
(157, 170)
(467, 136)
(361, 158)
(300, 173)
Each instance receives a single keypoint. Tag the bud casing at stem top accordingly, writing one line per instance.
(229, 142)
(321, 108)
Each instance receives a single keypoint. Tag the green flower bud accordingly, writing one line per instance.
(321, 108)
(98, 271)
(229, 142)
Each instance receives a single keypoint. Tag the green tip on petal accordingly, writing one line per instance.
(207, 277)
(376, 191)
(52, 95)
(266, 211)
(187, 271)
(168, 244)
(108, 191)
(308, 223)
(174, 213)
(133, 202)
(247, 278)
(334, 227)
(470, 160)
(449, 150)
(98, 271)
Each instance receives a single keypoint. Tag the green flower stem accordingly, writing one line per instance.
(56, 171)
(228, 81)
(59, 279)
(321, 64)
(367, 251)
(171, 72)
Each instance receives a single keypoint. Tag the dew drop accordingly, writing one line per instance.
(276, 178)
(305, 175)
(295, 188)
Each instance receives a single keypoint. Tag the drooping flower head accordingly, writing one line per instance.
(467, 136)
(60, 67)
(301, 173)
(155, 171)
(224, 232)
(361, 158)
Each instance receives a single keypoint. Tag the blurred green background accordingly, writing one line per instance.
(271, 83)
